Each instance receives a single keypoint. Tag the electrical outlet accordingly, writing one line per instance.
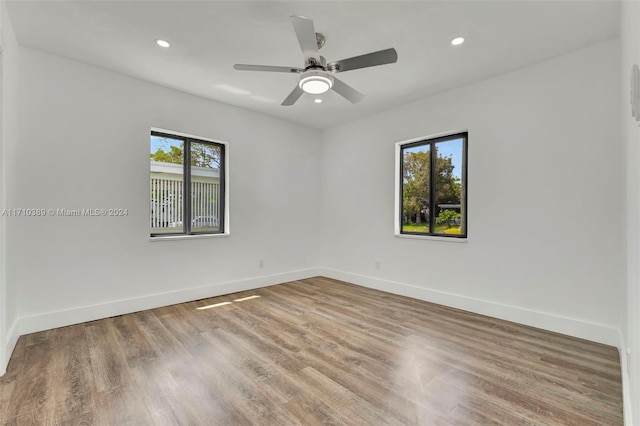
(376, 264)
(260, 263)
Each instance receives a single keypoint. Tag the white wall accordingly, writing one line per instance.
(546, 186)
(8, 134)
(84, 143)
(546, 244)
(630, 40)
(3, 284)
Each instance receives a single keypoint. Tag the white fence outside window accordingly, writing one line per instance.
(166, 199)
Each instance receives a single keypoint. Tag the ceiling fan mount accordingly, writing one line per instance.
(317, 76)
(320, 40)
(313, 63)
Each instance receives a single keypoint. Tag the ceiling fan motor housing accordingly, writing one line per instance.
(312, 63)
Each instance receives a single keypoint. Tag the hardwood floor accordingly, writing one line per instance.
(316, 351)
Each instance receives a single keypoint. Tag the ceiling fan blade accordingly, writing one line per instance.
(293, 96)
(381, 57)
(270, 68)
(346, 91)
(306, 37)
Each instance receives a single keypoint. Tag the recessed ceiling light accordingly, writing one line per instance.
(163, 43)
(457, 41)
(318, 101)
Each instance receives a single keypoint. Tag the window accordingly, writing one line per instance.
(432, 196)
(187, 186)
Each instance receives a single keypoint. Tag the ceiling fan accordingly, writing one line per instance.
(317, 76)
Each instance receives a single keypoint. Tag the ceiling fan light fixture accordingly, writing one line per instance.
(316, 82)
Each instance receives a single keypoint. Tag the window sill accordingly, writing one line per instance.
(432, 237)
(187, 237)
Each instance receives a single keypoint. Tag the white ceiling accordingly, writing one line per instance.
(208, 37)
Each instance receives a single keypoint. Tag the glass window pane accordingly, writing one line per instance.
(167, 161)
(448, 187)
(415, 189)
(205, 187)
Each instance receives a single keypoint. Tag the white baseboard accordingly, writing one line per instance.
(61, 318)
(9, 346)
(573, 327)
(626, 389)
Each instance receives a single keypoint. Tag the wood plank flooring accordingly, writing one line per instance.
(309, 352)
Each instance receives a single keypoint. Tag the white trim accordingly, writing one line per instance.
(396, 191)
(186, 135)
(5, 349)
(573, 327)
(433, 136)
(432, 237)
(76, 315)
(9, 345)
(227, 190)
(626, 389)
(186, 237)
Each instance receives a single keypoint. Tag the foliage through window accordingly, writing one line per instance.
(433, 193)
(187, 186)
